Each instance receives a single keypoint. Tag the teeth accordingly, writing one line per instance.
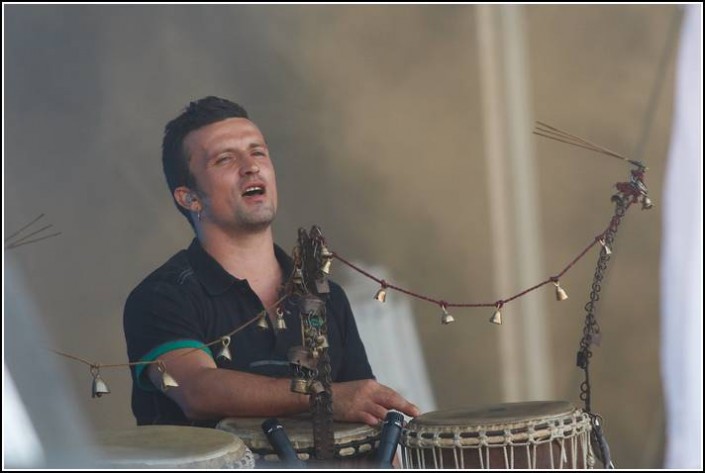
(252, 189)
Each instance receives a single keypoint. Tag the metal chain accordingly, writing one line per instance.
(591, 329)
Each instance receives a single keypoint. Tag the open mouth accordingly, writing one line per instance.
(253, 191)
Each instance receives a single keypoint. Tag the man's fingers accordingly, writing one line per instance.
(391, 399)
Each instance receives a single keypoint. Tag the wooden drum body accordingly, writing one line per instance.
(546, 435)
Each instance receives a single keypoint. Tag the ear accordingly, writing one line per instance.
(187, 199)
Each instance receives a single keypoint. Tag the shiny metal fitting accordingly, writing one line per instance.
(322, 341)
(299, 385)
(316, 387)
(310, 304)
(607, 248)
(299, 356)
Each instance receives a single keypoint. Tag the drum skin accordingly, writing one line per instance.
(172, 447)
(543, 434)
(355, 444)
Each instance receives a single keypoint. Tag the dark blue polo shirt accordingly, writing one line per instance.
(191, 300)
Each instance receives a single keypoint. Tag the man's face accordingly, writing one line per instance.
(234, 176)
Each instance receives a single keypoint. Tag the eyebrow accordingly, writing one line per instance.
(231, 149)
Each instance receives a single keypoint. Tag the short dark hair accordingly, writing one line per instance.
(196, 115)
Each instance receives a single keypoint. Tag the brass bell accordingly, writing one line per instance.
(298, 277)
(446, 318)
(607, 248)
(496, 317)
(225, 351)
(99, 387)
(167, 381)
(646, 203)
(325, 252)
(281, 324)
(299, 385)
(561, 295)
(262, 322)
(316, 387)
(381, 294)
(326, 265)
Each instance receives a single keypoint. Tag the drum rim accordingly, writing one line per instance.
(357, 436)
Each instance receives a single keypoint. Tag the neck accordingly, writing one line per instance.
(245, 255)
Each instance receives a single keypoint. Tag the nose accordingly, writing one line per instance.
(249, 166)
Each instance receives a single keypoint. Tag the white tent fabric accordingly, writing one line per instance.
(391, 341)
(682, 257)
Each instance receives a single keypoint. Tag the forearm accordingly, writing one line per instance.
(216, 393)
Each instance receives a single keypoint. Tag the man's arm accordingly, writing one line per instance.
(207, 392)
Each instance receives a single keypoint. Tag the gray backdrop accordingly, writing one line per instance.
(374, 119)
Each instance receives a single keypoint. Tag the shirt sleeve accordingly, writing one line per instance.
(159, 318)
(355, 365)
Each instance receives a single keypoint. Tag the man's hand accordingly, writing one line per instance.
(367, 401)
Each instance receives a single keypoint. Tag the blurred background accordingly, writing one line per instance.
(404, 132)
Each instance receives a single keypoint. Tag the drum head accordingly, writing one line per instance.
(299, 430)
(168, 446)
(495, 414)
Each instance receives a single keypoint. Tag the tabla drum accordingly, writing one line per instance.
(355, 444)
(171, 447)
(527, 435)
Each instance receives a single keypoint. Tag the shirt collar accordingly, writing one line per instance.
(215, 278)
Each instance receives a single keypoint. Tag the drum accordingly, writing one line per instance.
(169, 446)
(355, 444)
(544, 435)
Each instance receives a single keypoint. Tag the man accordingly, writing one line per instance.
(219, 171)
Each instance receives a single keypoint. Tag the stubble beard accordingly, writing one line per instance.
(256, 220)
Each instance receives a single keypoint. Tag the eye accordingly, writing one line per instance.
(223, 159)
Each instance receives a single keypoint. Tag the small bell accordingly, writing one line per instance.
(325, 252)
(497, 316)
(328, 257)
(561, 295)
(381, 294)
(298, 277)
(607, 248)
(446, 318)
(167, 381)
(326, 266)
(316, 387)
(322, 341)
(299, 385)
(98, 387)
(646, 203)
(262, 323)
(225, 351)
(281, 324)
